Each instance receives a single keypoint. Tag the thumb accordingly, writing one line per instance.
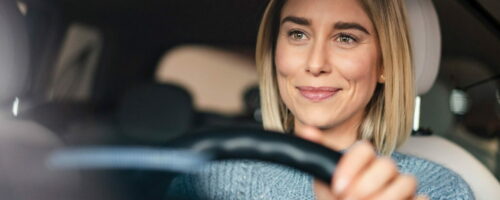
(310, 133)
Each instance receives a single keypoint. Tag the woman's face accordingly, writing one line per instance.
(327, 61)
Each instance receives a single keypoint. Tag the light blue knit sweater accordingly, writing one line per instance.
(245, 179)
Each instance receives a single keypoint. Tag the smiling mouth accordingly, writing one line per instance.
(317, 94)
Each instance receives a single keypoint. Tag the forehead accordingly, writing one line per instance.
(327, 11)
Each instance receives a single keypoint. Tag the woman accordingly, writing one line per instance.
(334, 72)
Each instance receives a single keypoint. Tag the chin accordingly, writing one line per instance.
(319, 121)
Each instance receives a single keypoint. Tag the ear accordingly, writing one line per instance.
(381, 77)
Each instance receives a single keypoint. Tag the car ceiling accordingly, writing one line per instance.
(464, 35)
(222, 21)
(235, 22)
(493, 7)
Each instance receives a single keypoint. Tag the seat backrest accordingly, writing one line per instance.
(454, 157)
(14, 51)
(24, 145)
(426, 48)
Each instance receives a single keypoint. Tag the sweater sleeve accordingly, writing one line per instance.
(435, 181)
(242, 179)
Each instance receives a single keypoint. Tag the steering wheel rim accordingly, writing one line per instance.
(268, 146)
(204, 146)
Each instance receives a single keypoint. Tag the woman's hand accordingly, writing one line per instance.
(360, 174)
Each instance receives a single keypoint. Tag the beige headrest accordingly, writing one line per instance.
(216, 78)
(426, 42)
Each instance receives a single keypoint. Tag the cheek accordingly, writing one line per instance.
(287, 60)
(285, 90)
(358, 66)
(288, 63)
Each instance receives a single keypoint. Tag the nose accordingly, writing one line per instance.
(317, 63)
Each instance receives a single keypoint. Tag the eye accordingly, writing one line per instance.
(345, 38)
(297, 35)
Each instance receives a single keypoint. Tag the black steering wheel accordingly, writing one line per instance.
(279, 148)
(219, 144)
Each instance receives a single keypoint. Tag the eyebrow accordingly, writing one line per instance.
(350, 25)
(297, 20)
(338, 25)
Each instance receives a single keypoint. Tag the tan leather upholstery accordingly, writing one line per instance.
(215, 77)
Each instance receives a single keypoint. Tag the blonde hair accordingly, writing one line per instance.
(389, 114)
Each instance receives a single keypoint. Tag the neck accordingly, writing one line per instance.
(338, 137)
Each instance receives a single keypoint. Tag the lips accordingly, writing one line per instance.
(317, 94)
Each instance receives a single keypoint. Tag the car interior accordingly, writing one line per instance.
(141, 73)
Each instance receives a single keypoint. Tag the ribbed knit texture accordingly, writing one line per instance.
(245, 179)
(435, 181)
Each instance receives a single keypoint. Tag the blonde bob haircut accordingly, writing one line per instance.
(389, 114)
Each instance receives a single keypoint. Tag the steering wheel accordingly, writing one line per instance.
(211, 145)
(274, 147)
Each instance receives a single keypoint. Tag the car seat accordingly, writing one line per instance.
(24, 145)
(426, 46)
(200, 69)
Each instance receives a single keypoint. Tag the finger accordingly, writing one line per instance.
(377, 176)
(350, 165)
(403, 187)
(322, 191)
(421, 198)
